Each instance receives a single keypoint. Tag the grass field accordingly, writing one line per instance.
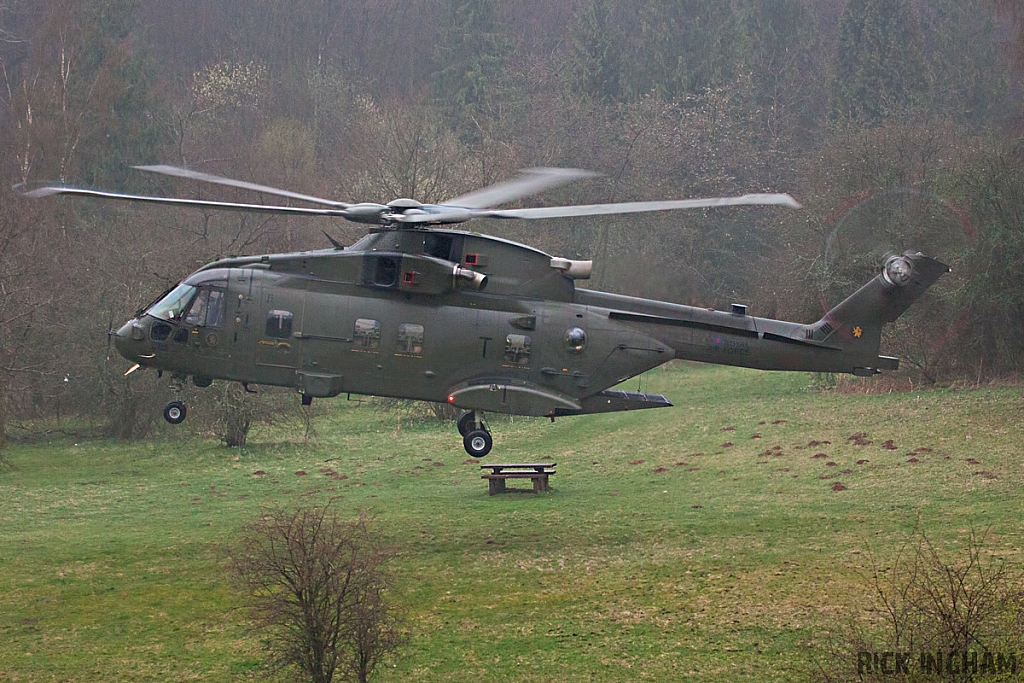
(663, 552)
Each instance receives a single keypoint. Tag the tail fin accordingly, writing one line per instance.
(855, 325)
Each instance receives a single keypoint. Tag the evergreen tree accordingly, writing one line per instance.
(880, 70)
(967, 81)
(778, 38)
(473, 52)
(595, 60)
(682, 47)
(782, 50)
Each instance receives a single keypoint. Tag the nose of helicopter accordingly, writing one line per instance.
(124, 342)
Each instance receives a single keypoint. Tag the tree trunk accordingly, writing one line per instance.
(236, 431)
(3, 416)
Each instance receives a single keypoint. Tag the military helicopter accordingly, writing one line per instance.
(419, 310)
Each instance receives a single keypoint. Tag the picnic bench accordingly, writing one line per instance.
(500, 472)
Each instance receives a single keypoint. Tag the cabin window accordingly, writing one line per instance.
(160, 332)
(517, 349)
(410, 339)
(367, 334)
(279, 324)
(207, 309)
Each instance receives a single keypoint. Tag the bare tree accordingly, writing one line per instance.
(319, 586)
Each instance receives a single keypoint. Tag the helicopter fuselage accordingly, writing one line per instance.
(482, 323)
(387, 318)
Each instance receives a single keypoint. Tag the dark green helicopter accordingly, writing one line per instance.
(417, 311)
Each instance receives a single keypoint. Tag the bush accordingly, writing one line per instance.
(228, 412)
(418, 411)
(130, 408)
(320, 588)
(935, 615)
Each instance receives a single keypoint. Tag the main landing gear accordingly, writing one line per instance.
(476, 438)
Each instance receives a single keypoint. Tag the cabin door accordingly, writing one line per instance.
(275, 322)
(325, 342)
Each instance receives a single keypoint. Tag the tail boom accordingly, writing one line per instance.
(845, 340)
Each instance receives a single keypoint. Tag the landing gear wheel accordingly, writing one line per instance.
(466, 422)
(174, 412)
(477, 443)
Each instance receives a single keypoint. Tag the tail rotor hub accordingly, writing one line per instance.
(897, 271)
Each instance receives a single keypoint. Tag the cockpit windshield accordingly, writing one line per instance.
(171, 306)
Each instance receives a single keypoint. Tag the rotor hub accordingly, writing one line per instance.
(403, 204)
(898, 270)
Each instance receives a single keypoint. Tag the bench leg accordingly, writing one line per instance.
(495, 486)
(540, 483)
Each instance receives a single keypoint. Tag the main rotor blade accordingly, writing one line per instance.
(230, 182)
(49, 190)
(641, 207)
(441, 214)
(530, 181)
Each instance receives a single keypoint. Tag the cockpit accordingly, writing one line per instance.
(191, 318)
(199, 300)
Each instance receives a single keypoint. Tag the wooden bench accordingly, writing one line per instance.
(500, 472)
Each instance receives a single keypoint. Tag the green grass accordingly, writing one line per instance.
(113, 556)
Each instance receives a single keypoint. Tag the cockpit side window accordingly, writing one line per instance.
(215, 309)
(208, 309)
(197, 313)
(171, 306)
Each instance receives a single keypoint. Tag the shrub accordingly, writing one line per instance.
(320, 588)
(935, 615)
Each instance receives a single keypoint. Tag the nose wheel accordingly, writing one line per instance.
(476, 438)
(174, 412)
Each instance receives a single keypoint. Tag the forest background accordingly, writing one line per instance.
(897, 123)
